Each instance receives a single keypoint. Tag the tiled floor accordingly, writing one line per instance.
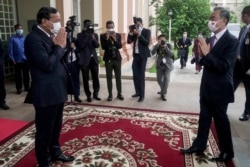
(183, 96)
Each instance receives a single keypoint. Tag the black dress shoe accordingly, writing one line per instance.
(89, 99)
(120, 97)
(223, 157)
(192, 150)
(63, 158)
(163, 98)
(135, 95)
(4, 106)
(244, 117)
(78, 99)
(97, 98)
(18, 91)
(110, 98)
(141, 99)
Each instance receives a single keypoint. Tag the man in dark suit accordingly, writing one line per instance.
(140, 37)
(111, 43)
(216, 90)
(3, 104)
(87, 42)
(49, 84)
(72, 61)
(184, 43)
(242, 65)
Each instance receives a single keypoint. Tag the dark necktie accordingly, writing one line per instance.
(212, 40)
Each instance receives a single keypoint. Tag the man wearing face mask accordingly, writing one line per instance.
(86, 43)
(45, 47)
(242, 65)
(140, 37)
(111, 43)
(218, 57)
(17, 56)
(184, 43)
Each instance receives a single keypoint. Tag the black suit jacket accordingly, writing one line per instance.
(48, 73)
(217, 79)
(110, 44)
(245, 52)
(143, 42)
(187, 42)
(87, 46)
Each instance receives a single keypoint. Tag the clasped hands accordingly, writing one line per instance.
(61, 38)
(204, 47)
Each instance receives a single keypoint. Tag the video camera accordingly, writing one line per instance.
(134, 26)
(90, 28)
(70, 26)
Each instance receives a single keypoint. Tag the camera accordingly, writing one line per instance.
(163, 42)
(70, 25)
(90, 28)
(111, 32)
(134, 26)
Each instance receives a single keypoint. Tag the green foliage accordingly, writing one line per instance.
(188, 15)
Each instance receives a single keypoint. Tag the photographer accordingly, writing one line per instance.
(140, 37)
(164, 64)
(111, 43)
(72, 60)
(87, 42)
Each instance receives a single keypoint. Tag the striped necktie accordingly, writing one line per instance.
(212, 40)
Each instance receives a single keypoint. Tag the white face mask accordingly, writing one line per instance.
(110, 29)
(212, 25)
(200, 36)
(56, 27)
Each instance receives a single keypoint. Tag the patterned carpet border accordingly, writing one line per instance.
(171, 130)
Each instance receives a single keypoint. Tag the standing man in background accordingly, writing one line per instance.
(140, 37)
(45, 47)
(216, 90)
(242, 65)
(111, 43)
(3, 104)
(17, 56)
(87, 42)
(184, 43)
(72, 60)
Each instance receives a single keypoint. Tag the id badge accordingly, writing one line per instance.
(164, 60)
(247, 41)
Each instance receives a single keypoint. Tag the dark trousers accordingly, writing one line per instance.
(94, 69)
(139, 67)
(116, 66)
(22, 75)
(2, 86)
(240, 76)
(74, 70)
(48, 121)
(222, 126)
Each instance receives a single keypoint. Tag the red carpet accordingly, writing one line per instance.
(9, 127)
(102, 136)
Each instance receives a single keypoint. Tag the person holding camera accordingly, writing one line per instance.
(87, 42)
(72, 60)
(111, 43)
(140, 37)
(164, 64)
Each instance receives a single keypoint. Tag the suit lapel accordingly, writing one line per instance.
(221, 41)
